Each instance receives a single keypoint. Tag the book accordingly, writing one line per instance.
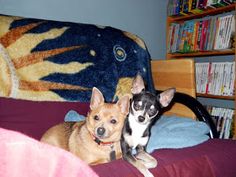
(180, 6)
(212, 33)
(174, 47)
(232, 79)
(218, 34)
(203, 34)
(199, 34)
(193, 8)
(217, 3)
(177, 7)
(200, 4)
(230, 32)
(170, 36)
(215, 78)
(206, 66)
(229, 118)
(222, 127)
(209, 79)
(194, 36)
(185, 7)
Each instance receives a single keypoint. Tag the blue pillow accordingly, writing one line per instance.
(177, 132)
(73, 116)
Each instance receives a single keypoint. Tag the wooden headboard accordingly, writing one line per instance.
(178, 73)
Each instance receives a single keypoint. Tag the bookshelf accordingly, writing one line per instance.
(180, 20)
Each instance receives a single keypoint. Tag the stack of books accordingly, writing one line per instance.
(183, 7)
(223, 118)
(205, 34)
(215, 78)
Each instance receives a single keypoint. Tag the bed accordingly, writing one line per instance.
(47, 68)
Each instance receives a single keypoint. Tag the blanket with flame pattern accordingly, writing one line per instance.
(61, 61)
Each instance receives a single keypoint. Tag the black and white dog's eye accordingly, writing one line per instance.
(96, 117)
(138, 105)
(152, 111)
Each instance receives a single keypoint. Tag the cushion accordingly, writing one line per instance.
(177, 132)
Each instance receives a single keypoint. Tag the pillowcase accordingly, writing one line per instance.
(33, 118)
(177, 132)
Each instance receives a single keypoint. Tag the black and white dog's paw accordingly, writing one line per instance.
(147, 160)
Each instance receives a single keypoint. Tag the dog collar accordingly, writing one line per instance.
(111, 144)
(99, 142)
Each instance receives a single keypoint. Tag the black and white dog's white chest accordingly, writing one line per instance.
(136, 133)
(144, 109)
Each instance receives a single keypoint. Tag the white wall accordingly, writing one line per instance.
(146, 18)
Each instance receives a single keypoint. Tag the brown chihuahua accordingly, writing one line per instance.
(97, 139)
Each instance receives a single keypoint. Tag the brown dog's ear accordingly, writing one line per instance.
(137, 85)
(166, 96)
(124, 103)
(96, 98)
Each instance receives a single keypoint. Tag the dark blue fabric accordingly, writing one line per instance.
(116, 56)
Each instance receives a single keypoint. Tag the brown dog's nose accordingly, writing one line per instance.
(100, 131)
(141, 118)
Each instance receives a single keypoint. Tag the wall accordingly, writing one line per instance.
(147, 19)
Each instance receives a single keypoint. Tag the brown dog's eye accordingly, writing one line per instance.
(113, 121)
(96, 117)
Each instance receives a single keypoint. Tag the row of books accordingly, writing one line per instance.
(215, 78)
(205, 34)
(224, 121)
(183, 7)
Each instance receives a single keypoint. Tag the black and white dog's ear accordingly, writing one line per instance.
(166, 97)
(138, 84)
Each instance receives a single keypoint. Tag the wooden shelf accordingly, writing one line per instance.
(201, 54)
(216, 96)
(207, 12)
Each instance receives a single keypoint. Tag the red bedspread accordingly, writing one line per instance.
(24, 156)
(214, 158)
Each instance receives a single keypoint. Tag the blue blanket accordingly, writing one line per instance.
(168, 132)
(63, 61)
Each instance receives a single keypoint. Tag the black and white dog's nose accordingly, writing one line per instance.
(100, 131)
(141, 118)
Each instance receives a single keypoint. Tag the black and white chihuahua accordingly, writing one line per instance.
(144, 109)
